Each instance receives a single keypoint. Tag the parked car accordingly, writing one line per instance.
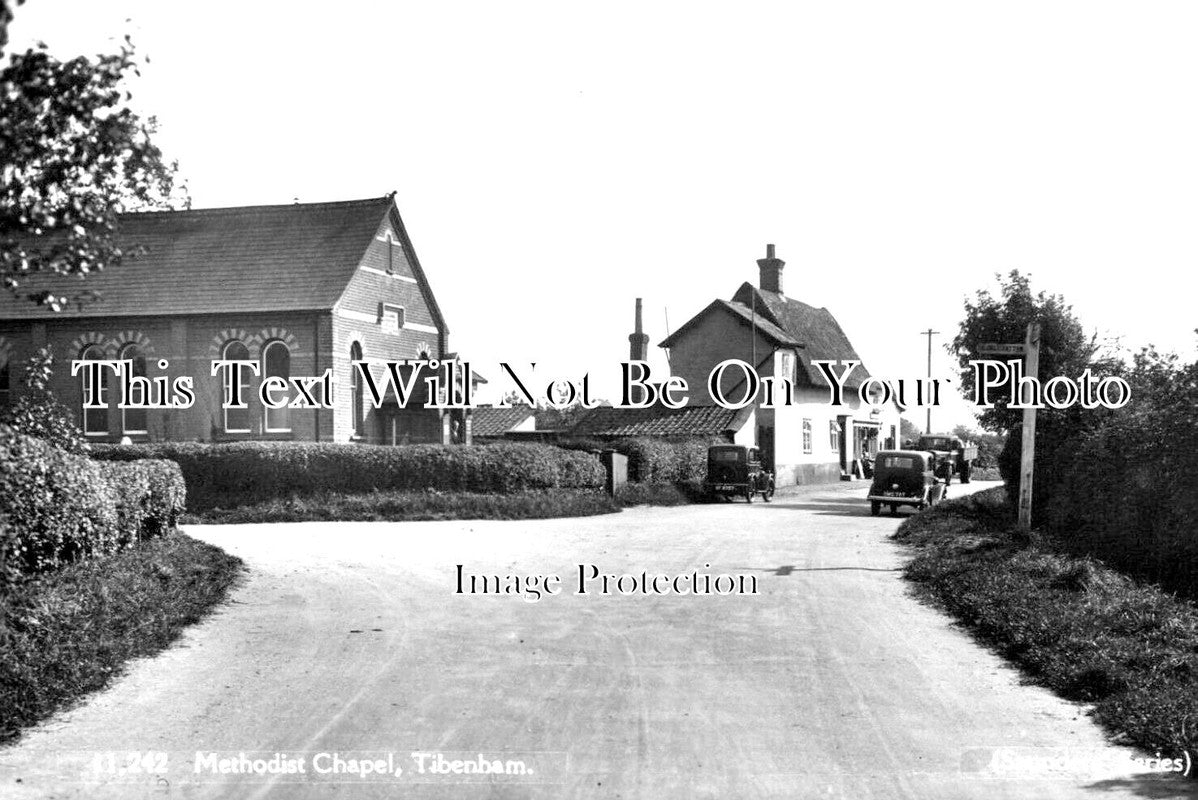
(734, 470)
(905, 478)
(952, 455)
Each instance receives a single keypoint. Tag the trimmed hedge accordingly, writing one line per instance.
(660, 461)
(150, 497)
(57, 507)
(232, 474)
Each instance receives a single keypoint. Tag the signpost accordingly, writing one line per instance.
(1032, 368)
(1030, 350)
(995, 349)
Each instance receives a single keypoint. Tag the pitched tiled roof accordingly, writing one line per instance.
(813, 332)
(820, 333)
(743, 313)
(254, 258)
(491, 421)
(660, 421)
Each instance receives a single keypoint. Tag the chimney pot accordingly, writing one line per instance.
(638, 340)
(771, 271)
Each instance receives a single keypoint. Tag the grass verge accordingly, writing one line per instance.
(1074, 625)
(396, 506)
(66, 633)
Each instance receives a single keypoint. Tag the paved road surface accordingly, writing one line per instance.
(347, 639)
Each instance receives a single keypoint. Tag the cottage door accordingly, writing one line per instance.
(765, 443)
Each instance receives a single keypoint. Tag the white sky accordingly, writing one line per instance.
(556, 160)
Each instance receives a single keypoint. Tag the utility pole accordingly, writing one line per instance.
(929, 333)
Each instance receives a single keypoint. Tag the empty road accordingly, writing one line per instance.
(347, 665)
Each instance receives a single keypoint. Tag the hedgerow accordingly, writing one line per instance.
(662, 461)
(150, 497)
(230, 474)
(58, 507)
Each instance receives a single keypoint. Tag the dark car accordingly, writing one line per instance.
(952, 456)
(905, 478)
(734, 470)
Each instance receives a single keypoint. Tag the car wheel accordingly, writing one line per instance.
(875, 508)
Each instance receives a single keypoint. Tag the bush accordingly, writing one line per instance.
(150, 497)
(662, 461)
(228, 475)
(40, 415)
(580, 470)
(57, 506)
(131, 488)
(168, 497)
(396, 506)
(1121, 488)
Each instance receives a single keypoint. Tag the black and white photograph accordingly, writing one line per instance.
(525, 399)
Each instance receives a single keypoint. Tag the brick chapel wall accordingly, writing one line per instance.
(188, 344)
(359, 319)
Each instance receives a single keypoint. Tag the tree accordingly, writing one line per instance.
(5, 18)
(908, 430)
(989, 445)
(73, 156)
(38, 413)
(1065, 349)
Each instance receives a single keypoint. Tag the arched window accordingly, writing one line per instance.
(276, 363)
(357, 396)
(133, 420)
(237, 420)
(95, 420)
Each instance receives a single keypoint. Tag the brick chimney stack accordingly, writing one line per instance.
(771, 271)
(638, 341)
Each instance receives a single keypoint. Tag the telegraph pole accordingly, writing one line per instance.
(929, 333)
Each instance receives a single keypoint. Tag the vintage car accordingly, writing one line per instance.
(952, 455)
(905, 478)
(734, 470)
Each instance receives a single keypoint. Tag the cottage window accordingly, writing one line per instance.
(95, 420)
(276, 363)
(357, 396)
(392, 317)
(834, 435)
(806, 435)
(133, 420)
(237, 420)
